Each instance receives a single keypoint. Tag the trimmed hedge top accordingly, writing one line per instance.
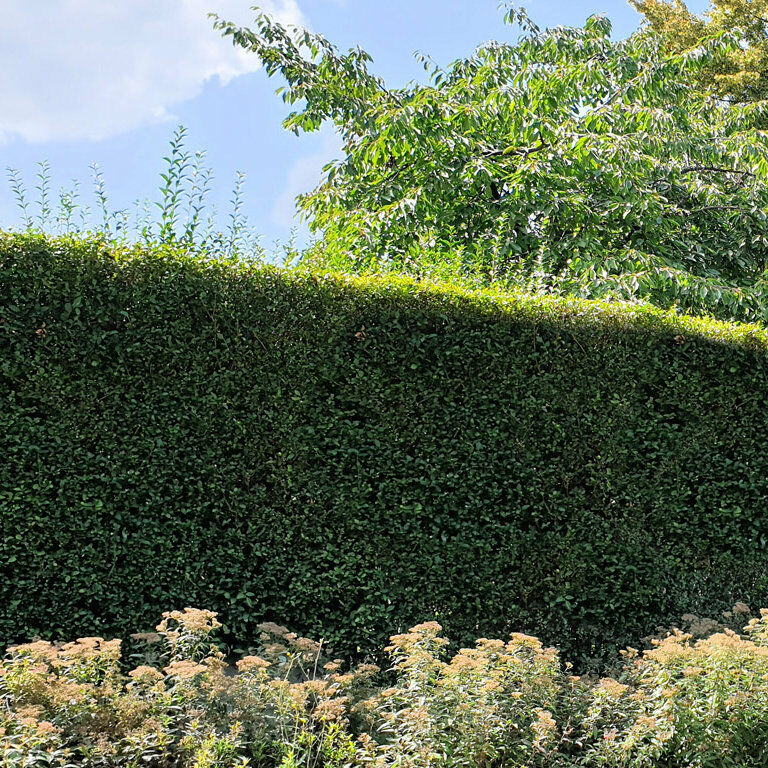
(351, 455)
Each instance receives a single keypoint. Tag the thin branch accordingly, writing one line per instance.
(518, 151)
(714, 169)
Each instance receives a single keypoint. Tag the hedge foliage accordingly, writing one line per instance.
(351, 455)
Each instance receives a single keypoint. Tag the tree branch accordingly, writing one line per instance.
(714, 169)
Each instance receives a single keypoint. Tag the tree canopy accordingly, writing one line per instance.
(740, 72)
(561, 161)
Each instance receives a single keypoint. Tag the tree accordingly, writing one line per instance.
(562, 162)
(739, 72)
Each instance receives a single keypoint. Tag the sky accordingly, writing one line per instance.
(88, 81)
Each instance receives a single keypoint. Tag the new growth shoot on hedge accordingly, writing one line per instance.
(182, 216)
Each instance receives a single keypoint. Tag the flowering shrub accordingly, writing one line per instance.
(685, 702)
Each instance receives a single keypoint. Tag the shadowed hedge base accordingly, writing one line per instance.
(350, 455)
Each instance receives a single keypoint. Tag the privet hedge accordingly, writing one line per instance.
(350, 456)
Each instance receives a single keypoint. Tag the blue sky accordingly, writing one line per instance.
(85, 81)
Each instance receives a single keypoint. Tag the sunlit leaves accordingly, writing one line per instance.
(740, 70)
(563, 162)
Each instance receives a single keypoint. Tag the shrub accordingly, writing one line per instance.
(512, 703)
(71, 703)
(352, 455)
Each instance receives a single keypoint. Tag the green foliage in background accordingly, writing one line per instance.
(564, 162)
(352, 455)
(739, 73)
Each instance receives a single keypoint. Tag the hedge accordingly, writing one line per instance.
(349, 456)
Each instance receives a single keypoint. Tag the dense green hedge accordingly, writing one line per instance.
(349, 456)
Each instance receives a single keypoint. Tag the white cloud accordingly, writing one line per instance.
(304, 175)
(89, 69)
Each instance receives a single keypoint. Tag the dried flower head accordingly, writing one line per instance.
(317, 687)
(145, 674)
(366, 670)
(40, 650)
(306, 646)
(427, 628)
(184, 670)
(331, 709)
(248, 663)
(612, 687)
(692, 671)
(89, 647)
(147, 637)
(544, 727)
(270, 628)
(191, 619)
